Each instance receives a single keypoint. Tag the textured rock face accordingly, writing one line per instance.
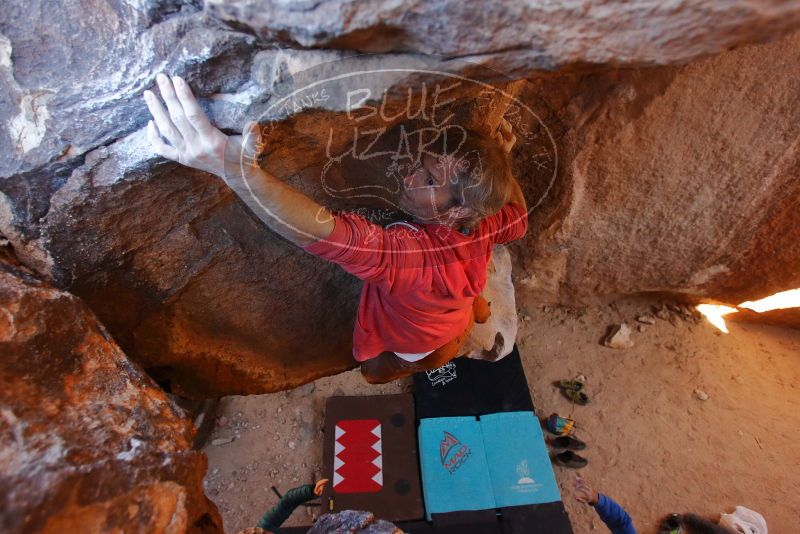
(682, 180)
(88, 442)
(678, 178)
(353, 521)
(517, 36)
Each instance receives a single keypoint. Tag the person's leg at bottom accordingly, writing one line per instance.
(388, 366)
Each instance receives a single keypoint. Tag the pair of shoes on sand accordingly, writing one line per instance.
(564, 428)
(568, 458)
(671, 525)
(573, 390)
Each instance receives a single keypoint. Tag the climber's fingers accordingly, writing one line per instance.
(505, 135)
(164, 123)
(194, 113)
(158, 144)
(320, 486)
(505, 128)
(176, 111)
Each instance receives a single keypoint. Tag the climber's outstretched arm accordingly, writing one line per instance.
(192, 140)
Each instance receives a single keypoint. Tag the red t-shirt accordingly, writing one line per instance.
(419, 279)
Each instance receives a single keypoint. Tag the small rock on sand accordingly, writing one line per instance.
(701, 395)
(619, 338)
(221, 441)
(646, 318)
(301, 391)
(661, 312)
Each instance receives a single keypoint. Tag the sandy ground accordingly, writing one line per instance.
(653, 444)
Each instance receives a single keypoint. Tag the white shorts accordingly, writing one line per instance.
(411, 357)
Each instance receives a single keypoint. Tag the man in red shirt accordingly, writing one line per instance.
(423, 279)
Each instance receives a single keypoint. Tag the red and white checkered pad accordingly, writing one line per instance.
(357, 456)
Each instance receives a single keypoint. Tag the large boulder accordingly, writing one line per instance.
(680, 180)
(518, 36)
(88, 442)
(673, 178)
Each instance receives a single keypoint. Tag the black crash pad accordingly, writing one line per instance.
(475, 387)
(547, 518)
(477, 521)
(466, 386)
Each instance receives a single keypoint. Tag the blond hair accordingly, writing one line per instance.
(482, 182)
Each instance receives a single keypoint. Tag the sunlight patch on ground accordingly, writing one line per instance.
(778, 301)
(715, 313)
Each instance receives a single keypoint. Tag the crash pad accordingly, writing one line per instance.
(477, 464)
(455, 474)
(370, 456)
(466, 386)
(519, 464)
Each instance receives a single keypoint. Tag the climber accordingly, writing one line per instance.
(423, 280)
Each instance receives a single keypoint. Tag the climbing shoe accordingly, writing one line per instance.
(568, 442)
(671, 525)
(573, 390)
(571, 460)
(572, 385)
(576, 396)
(560, 426)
